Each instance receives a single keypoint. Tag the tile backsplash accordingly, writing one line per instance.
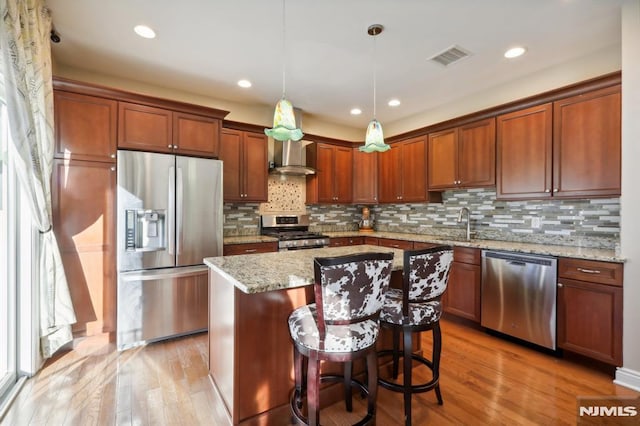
(586, 223)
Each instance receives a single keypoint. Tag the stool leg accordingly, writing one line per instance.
(407, 376)
(396, 352)
(297, 368)
(348, 399)
(313, 389)
(372, 383)
(437, 348)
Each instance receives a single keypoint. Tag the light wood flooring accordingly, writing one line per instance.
(484, 380)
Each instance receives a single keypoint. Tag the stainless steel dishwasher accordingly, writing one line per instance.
(519, 296)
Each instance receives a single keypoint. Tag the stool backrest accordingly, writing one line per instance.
(350, 289)
(426, 273)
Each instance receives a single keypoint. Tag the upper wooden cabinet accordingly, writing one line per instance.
(402, 174)
(569, 148)
(524, 153)
(334, 174)
(148, 128)
(463, 157)
(246, 167)
(85, 127)
(587, 144)
(365, 177)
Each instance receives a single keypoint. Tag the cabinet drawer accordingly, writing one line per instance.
(466, 255)
(345, 241)
(419, 246)
(396, 244)
(250, 248)
(590, 270)
(373, 241)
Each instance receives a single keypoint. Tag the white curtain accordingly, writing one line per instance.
(25, 63)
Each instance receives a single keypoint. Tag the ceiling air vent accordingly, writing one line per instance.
(450, 56)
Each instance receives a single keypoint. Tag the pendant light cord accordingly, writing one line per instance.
(374, 75)
(284, 49)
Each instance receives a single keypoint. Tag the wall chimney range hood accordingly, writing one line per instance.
(289, 158)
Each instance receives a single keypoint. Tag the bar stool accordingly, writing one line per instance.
(341, 326)
(416, 308)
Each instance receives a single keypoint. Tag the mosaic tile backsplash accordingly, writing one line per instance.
(586, 223)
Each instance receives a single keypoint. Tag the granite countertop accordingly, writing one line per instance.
(257, 273)
(605, 255)
(247, 239)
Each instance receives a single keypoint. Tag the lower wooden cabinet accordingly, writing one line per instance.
(249, 248)
(346, 241)
(462, 297)
(590, 309)
(396, 244)
(83, 207)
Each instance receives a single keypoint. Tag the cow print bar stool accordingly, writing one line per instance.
(415, 308)
(341, 326)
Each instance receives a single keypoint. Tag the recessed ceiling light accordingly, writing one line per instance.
(244, 84)
(514, 52)
(394, 102)
(144, 31)
(356, 111)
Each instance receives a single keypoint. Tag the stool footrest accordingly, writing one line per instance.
(419, 388)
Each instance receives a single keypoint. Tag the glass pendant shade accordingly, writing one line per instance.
(284, 123)
(374, 140)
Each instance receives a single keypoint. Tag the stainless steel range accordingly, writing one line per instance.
(292, 232)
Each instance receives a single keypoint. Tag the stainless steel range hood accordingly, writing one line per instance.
(289, 158)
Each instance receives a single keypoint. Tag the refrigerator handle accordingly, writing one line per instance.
(170, 210)
(179, 209)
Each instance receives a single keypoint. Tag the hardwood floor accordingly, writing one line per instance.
(484, 380)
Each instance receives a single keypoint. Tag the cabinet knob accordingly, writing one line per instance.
(169, 146)
(175, 147)
(547, 190)
(555, 189)
(113, 156)
(113, 169)
(560, 285)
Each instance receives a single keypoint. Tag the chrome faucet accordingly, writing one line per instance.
(462, 210)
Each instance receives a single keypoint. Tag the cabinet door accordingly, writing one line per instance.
(412, 165)
(196, 135)
(590, 320)
(365, 177)
(524, 153)
(325, 173)
(343, 174)
(256, 167)
(83, 207)
(442, 166)
(85, 127)
(231, 156)
(144, 128)
(587, 147)
(389, 179)
(462, 297)
(477, 154)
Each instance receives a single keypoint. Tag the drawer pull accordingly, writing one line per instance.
(588, 271)
(250, 250)
(395, 246)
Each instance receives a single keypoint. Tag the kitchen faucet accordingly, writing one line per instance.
(462, 210)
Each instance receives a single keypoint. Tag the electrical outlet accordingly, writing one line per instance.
(535, 222)
(403, 218)
(321, 218)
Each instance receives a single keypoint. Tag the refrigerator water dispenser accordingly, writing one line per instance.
(145, 230)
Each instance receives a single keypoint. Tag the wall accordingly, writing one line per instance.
(629, 375)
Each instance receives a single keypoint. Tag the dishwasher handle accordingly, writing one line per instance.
(520, 259)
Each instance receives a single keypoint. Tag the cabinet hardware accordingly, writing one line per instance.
(175, 147)
(588, 271)
(113, 169)
(250, 250)
(395, 246)
(113, 156)
(555, 189)
(169, 146)
(547, 190)
(560, 285)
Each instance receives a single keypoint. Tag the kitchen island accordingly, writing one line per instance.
(250, 351)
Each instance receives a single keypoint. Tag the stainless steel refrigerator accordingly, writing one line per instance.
(169, 218)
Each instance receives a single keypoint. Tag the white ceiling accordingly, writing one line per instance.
(206, 46)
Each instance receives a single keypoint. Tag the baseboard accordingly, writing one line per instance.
(628, 378)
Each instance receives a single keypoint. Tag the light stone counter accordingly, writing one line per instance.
(604, 255)
(257, 273)
(247, 239)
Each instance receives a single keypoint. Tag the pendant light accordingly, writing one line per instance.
(374, 139)
(284, 121)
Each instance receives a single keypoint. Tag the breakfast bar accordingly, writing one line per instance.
(250, 351)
